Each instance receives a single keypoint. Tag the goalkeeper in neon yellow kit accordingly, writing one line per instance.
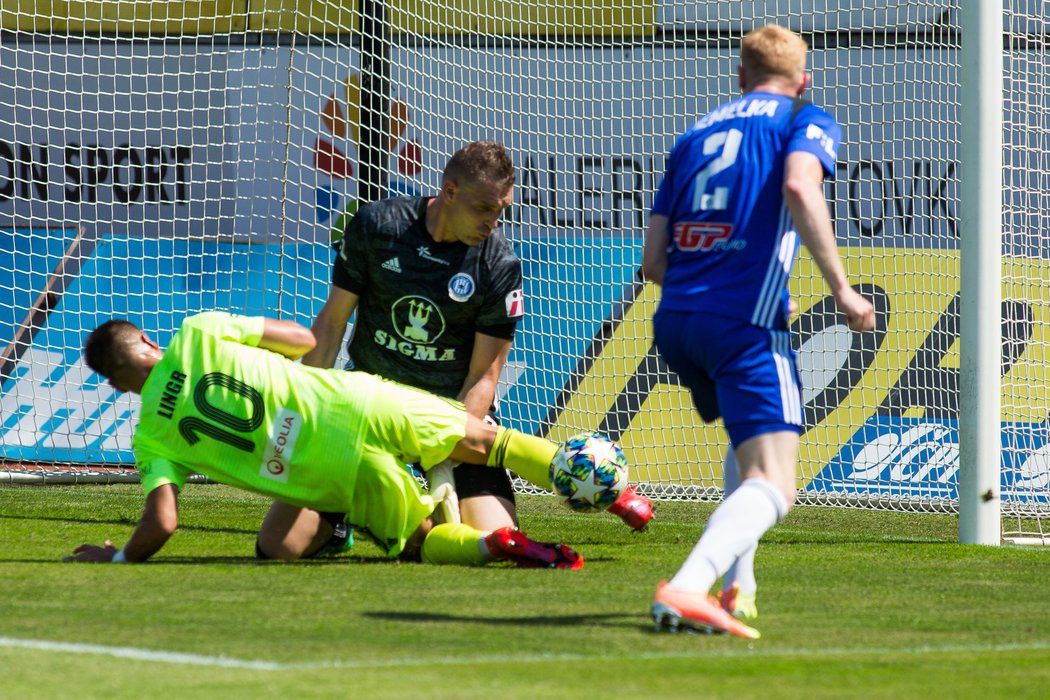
(225, 400)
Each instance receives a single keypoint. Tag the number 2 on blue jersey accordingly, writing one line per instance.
(729, 142)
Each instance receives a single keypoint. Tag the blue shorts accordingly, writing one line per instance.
(744, 374)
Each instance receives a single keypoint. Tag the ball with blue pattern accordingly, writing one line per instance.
(589, 472)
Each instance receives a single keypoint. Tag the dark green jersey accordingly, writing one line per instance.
(421, 302)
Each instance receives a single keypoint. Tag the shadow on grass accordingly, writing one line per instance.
(126, 522)
(198, 561)
(603, 619)
(252, 561)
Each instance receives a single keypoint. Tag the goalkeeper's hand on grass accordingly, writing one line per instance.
(93, 553)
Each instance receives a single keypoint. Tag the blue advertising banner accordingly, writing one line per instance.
(919, 458)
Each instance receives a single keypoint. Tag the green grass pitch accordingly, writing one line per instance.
(853, 604)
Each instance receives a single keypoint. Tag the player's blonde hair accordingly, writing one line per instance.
(773, 52)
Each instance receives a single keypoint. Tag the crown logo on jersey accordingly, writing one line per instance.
(393, 265)
(418, 313)
(417, 319)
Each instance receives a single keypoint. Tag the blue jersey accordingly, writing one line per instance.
(732, 243)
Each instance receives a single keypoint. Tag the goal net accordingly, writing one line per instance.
(212, 151)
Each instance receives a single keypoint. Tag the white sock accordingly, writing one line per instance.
(483, 545)
(734, 527)
(742, 572)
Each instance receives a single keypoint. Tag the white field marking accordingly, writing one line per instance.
(136, 654)
(734, 651)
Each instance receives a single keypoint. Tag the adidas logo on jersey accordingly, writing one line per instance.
(393, 265)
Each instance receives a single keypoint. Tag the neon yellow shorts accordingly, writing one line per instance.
(403, 425)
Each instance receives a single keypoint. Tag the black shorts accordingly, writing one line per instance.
(479, 480)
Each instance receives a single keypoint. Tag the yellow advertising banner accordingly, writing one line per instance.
(492, 17)
(578, 18)
(167, 17)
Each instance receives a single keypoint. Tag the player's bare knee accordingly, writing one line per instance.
(488, 512)
(266, 548)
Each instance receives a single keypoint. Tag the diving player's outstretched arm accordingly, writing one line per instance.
(159, 520)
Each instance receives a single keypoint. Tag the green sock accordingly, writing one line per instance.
(526, 455)
(450, 543)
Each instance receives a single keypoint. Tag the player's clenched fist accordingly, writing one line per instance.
(859, 311)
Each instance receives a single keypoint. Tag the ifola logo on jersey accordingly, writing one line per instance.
(281, 446)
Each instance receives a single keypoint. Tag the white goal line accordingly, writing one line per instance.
(734, 649)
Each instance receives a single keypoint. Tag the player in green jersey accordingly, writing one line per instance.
(225, 400)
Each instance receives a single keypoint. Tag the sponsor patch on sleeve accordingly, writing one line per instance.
(515, 301)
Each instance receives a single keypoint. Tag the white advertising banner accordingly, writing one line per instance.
(130, 138)
(198, 142)
(590, 136)
(805, 15)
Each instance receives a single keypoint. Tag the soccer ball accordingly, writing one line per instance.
(589, 472)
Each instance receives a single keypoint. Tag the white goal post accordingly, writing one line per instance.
(212, 151)
(981, 215)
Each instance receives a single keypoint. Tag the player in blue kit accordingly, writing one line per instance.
(743, 185)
